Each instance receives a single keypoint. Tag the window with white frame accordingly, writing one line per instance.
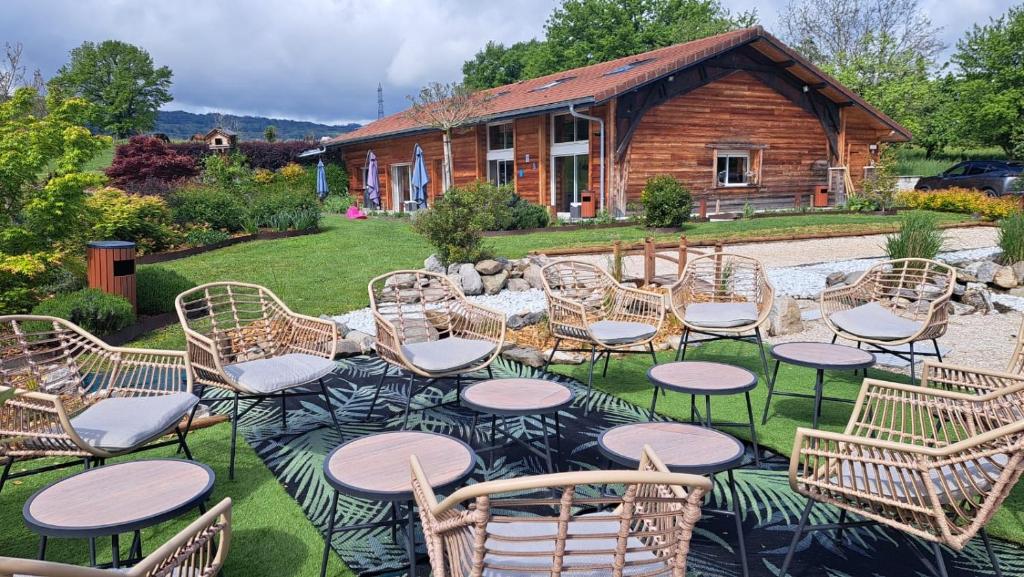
(569, 128)
(732, 168)
(501, 153)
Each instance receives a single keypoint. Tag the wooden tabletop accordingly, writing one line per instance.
(119, 498)
(517, 396)
(684, 448)
(702, 378)
(377, 466)
(823, 355)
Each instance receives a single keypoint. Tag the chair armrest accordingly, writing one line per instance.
(36, 422)
(481, 322)
(631, 304)
(567, 318)
(388, 343)
(971, 380)
(312, 336)
(200, 549)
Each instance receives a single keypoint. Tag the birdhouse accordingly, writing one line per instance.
(221, 139)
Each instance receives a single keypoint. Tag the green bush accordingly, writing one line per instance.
(1011, 238)
(526, 215)
(454, 225)
(667, 203)
(337, 204)
(157, 287)
(213, 207)
(918, 237)
(91, 309)
(227, 170)
(201, 236)
(144, 220)
(265, 204)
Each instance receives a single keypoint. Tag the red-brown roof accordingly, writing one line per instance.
(599, 82)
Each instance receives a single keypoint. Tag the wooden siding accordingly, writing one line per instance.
(529, 139)
(679, 138)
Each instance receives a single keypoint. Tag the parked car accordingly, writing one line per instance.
(993, 177)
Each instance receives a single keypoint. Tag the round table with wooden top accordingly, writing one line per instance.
(376, 467)
(706, 379)
(821, 357)
(115, 499)
(683, 448)
(520, 397)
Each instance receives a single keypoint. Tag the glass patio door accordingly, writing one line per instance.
(401, 185)
(572, 175)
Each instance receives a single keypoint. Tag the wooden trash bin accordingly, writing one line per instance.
(588, 208)
(111, 268)
(820, 199)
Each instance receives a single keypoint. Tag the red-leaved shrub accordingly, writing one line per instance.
(145, 160)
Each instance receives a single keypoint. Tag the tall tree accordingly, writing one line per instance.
(988, 62)
(498, 64)
(270, 133)
(120, 80)
(445, 107)
(12, 72)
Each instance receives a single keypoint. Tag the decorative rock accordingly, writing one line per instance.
(835, 278)
(471, 282)
(454, 267)
(1016, 292)
(347, 348)
(489, 266)
(362, 340)
(1005, 277)
(958, 289)
(978, 296)
(408, 296)
(854, 276)
(401, 281)
(960, 308)
(784, 317)
(528, 356)
(493, 283)
(565, 358)
(516, 322)
(339, 325)
(433, 264)
(984, 270)
(518, 285)
(1018, 269)
(456, 279)
(533, 276)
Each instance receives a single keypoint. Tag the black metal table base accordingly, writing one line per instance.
(544, 438)
(695, 418)
(818, 396)
(393, 523)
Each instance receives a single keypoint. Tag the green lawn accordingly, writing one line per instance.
(272, 536)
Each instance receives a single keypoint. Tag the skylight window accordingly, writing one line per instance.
(628, 66)
(553, 83)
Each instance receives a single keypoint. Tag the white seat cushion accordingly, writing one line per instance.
(446, 354)
(873, 321)
(621, 332)
(962, 480)
(121, 423)
(721, 315)
(266, 376)
(498, 565)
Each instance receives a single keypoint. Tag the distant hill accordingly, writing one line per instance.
(181, 125)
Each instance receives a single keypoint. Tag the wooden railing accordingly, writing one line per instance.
(650, 251)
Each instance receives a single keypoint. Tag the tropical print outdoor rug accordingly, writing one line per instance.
(771, 508)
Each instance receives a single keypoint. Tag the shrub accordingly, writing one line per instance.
(202, 236)
(210, 206)
(667, 203)
(264, 204)
(918, 237)
(526, 215)
(144, 220)
(262, 176)
(292, 171)
(960, 200)
(145, 158)
(454, 226)
(272, 155)
(1011, 238)
(337, 204)
(91, 309)
(157, 288)
(226, 170)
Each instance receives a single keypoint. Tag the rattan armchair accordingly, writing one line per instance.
(723, 296)
(71, 395)
(243, 340)
(894, 303)
(498, 529)
(934, 464)
(587, 306)
(198, 550)
(426, 327)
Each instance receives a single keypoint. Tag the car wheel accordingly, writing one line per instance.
(990, 192)
(924, 188)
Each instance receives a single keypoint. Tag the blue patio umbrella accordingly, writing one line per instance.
(420, 178)
(321, 180)
(371, 186)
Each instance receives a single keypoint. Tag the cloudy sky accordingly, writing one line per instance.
(321, 59)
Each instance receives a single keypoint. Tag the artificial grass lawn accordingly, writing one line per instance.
(627, 378)
(271, 534)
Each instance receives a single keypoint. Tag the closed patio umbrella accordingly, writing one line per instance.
(420, 178)
(371, 192)
(321, 180)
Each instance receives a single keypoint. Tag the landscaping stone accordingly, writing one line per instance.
(361, 339)
(347, 348)
(454, 267)
(517, 285)
(456, 279)
(433, 264)
(565, 358)
(533, 276)
(984, 271)
(471, 281)
(1005, 277)
(516, 322)
(978, 296)
(835, 278)
(960, 308)
(408, 296)
(528, 356)
(487, 267)
(784, 317)
(493, 283)
(401, 281)
(1018, 269)
(854, 276)
(339, 325)
(1016, 292)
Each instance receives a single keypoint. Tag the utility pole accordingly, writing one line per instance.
(380, 101)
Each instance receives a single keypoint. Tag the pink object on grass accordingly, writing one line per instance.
(355, 214)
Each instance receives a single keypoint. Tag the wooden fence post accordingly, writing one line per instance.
(718, 266)
(649, 262)
(682, 255)
(617, 258)
(703, 208)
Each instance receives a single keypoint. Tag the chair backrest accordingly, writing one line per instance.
(567, 521)
(421, 305)
(723, 277)
(52, 355)
(1016, 364)
(908, 286)
(580, 282)
(199, 549)
(244, 321)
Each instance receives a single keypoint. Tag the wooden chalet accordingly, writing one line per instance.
(739, 117)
